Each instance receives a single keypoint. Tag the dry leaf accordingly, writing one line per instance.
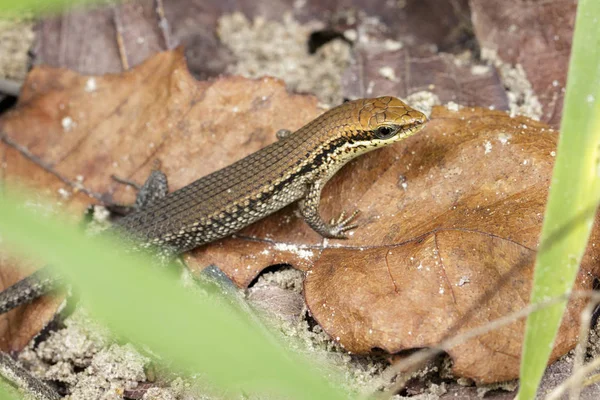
(380, 71)
(459, 241)
(70, 133)
(450, 223)
(531, 34)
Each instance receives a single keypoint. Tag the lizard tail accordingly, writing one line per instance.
(28, 289)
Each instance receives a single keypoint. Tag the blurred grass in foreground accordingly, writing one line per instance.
(6, 392)
(573, 197)
(148, 305)
(12, 8)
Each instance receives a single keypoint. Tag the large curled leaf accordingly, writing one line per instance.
(450, 224)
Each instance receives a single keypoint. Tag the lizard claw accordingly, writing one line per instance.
(342, 224)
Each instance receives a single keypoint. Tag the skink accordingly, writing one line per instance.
(295, 168)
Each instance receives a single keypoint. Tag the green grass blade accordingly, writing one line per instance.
(147, 305)
(11, 8)
(573, 197)
(8, 393)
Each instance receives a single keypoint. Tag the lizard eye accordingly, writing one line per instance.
(385, 132)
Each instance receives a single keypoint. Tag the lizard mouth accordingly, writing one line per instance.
(411, 129)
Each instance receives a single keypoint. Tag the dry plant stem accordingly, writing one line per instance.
(584, 329)
(47, 167)
(10, 87)
(416, 360)
(120, 42)
(591, 380)
(22, 379)
(574, 380)
(163, 24)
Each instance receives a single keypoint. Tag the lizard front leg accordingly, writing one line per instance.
(309, 208)
(156, 187)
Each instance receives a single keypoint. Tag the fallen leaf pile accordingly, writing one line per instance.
(449, 224)
(429, 44)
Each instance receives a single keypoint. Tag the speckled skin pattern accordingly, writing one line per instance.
(295, 168)
(291, 169)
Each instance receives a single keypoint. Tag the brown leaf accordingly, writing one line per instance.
(19, 326)
(70, 133)
(450, 223)
(453, 251)
(95, 40)
(415, 71)
(531, 34)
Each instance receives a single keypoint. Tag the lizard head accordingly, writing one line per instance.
(386, 120)
(367, 124)
(357, 127)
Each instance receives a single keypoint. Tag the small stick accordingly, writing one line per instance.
(120, 41)
(584, 333)
(163, 24)
(24, 380)
(574, 379)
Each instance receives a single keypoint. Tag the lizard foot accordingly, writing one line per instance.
(342, 224)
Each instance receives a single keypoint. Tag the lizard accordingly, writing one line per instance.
(293, 169)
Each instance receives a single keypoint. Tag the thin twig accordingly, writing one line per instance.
(574, 380)
(120, 41)
(126, 182)
(584, 334)
(22, 379)
(414, 361)
(24, 151)
(163, 24)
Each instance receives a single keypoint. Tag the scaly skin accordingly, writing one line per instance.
(295, 168)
